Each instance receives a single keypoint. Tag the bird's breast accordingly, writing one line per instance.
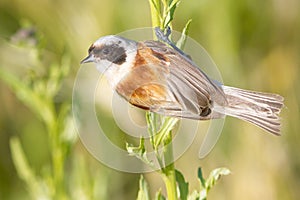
(143, 86)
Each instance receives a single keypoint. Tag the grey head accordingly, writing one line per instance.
(110, 49)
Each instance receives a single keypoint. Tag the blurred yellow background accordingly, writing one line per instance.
(256, 46)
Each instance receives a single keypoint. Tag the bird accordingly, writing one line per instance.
(156, 76)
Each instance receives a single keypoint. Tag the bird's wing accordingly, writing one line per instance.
(168, 83)
(192, 88)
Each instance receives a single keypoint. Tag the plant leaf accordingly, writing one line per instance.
(163, 135)
(201, 178)
(182, 185)
(139, 152)
(181, 42)
(170, 12)
(156, 15)
(159, 196)
(215, 175)
(34, 100)
(24, 171)
(143, 193)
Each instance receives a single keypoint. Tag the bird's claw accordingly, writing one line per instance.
(164, 37)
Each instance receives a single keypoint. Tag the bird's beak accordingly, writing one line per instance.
(89, 58)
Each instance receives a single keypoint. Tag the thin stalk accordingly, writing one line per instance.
(163, 137)
(169, 171)
(168, 125)
(159, 12)
(155, 8)
(170, 183)
(57, 156)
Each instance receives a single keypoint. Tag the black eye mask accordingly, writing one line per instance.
(112, 53)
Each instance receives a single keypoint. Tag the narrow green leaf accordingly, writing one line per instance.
(169, 13)
(24, 170)
(215, 175)
(156, 5)
(182, 40)
(151, 119)
(182, 185)
(65, 124)
(156, 15)
(139, 152)
(35, 101)
(166, 128)
(57, 72)
(201, 178)
(143, 193)
(159, 196)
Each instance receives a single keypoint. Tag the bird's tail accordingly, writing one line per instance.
(261, 109)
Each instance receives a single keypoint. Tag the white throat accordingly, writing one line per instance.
(114, 72)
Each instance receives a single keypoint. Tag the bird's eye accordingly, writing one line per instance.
(106, 51)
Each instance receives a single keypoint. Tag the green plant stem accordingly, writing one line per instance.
(57, 153)
(58, 166)
(169, 171)
(55, 179)
(170, 182)
(163, 136)
(155, 10)
(160, 130)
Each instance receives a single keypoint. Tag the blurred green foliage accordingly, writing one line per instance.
(256, 45)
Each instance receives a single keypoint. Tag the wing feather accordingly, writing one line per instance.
(189, 93)
(189, 71)
(190, 86)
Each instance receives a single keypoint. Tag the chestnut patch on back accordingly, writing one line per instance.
(139, 60)
(160, 56)
(113, 53)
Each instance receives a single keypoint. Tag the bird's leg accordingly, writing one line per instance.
(162, 36)
(165, 38)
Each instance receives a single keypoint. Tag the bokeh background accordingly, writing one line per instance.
(255, 44)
